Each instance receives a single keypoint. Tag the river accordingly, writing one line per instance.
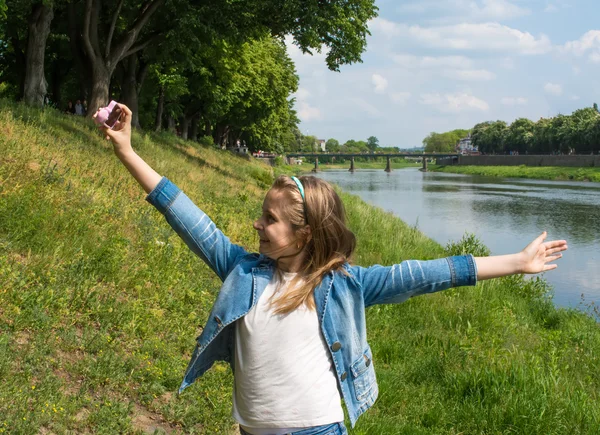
(504, 213)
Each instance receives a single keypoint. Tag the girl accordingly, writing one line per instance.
(291, 319)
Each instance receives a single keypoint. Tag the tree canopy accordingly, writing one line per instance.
(215, 68)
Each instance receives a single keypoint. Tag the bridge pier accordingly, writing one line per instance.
(316, 168)
(424, 164)
(351, 165)
(388, 166)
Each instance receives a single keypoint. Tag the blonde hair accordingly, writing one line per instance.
(329, 244)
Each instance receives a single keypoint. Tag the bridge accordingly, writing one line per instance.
(388, 156)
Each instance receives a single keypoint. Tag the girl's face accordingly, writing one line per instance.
(275, 232)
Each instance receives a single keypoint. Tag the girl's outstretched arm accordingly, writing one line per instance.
(196, 229)
(535, 258)
(120, 136)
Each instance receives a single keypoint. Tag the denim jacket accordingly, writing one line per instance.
(340, 299)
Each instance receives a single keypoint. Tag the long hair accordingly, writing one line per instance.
(328, 245)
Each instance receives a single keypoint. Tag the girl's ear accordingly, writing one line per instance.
(308, 233)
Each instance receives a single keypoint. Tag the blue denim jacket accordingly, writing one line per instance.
(340, 299)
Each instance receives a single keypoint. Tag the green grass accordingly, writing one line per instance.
(542, 173)
(100, 303)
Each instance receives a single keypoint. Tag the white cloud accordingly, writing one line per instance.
(302, 94)
(484, 36)
(400, 97)
(306, 112)
(412, 61)
(470, 74)
(458, 102)
(365, 106)
(507, 63)
(553, 89)
(468, 10)
(574, 97)
(588, 43)
(514, 101)
(387, 28)
(380, 83)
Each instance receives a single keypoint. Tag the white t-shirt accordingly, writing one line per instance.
(284, 377)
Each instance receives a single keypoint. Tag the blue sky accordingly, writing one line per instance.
(437, 65)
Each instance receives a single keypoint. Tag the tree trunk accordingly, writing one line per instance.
(81, 62)
(171, 124)
(159, 109)
(194, 128)
(103, 60)
(100, 85)
(184, 125)
(56, 81)
(35, 86)
(129, 91)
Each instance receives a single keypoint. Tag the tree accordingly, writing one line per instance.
(443, 142)
(519, 136)
(35, 87)
(372, 143)
(332, 145)
(489, 136)
(338, 25)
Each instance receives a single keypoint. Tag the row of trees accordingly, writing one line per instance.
(443, 142)
(310, 144)
(211, 68)
(577, 133)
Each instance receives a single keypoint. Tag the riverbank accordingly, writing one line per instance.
(540, 173)
(396, 164)
(100, 303)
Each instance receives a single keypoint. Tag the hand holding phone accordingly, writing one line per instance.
(109, 115)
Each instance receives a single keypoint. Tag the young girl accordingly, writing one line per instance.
(291, 320)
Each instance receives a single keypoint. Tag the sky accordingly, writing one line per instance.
(439, 65)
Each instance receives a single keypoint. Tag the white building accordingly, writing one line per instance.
(465, 146)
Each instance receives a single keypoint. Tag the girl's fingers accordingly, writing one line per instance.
(556, 243)
(553, 258)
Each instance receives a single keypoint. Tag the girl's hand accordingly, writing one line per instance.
(538, 254)
(120, 134)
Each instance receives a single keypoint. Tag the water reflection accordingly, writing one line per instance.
(504, 213)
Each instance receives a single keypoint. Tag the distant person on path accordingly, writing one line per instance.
(78, 108)
(70, 109)
(291, 319)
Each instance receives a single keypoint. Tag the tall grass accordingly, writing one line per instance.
(100, 303)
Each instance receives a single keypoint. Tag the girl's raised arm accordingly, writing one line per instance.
(535, 258)
(120, 136)
(196, 229)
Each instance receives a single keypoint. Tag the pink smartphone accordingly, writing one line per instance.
(109, 115)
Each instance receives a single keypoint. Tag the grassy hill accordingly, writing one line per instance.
(100, 303)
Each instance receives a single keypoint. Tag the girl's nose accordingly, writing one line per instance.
(256, 224)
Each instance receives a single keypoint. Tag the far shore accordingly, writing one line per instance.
(540, 173)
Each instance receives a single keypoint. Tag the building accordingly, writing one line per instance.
(321, 145)
(465, 146)
(239, 147)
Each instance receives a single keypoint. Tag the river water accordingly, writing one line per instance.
(504, 213)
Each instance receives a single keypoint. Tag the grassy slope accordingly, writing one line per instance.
(100, 303)
(542, 173)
